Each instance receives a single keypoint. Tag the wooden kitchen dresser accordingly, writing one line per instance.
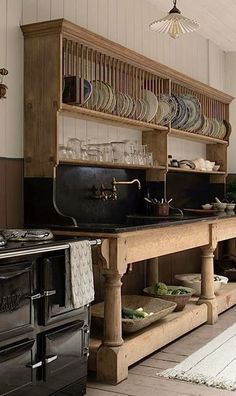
(59, 48)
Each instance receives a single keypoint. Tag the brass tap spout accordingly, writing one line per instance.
(115, 182)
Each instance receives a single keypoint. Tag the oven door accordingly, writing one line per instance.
(53, 290)
(65, 354)
(17, 373)
(16, 306)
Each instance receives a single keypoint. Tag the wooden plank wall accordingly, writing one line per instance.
(11, 192)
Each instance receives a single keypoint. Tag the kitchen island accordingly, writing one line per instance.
(112, 355)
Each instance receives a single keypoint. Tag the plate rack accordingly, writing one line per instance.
(58, 49)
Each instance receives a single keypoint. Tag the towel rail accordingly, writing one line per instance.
(93, 242)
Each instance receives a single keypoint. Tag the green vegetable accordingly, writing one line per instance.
(160, 288)
(128, 313)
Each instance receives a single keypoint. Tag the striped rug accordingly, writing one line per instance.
(213, 365)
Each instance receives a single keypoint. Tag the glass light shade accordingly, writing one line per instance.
(174, 24)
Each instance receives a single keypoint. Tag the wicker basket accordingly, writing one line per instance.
(180, 299)
(160, 308)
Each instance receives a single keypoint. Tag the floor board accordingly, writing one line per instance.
(143, 380)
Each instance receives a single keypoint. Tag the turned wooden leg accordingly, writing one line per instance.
(112, 366)
(207, 284)
(112, 335)
(152, 271)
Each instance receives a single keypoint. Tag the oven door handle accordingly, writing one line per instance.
(34, 365)
(50, 359)
(33, 297)
(48, 293)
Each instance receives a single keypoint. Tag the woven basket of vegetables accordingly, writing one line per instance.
(137, 312)
(178, 294)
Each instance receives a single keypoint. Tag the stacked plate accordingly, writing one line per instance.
(103, 97)
(213, 127)
(183, 111)
(188, 115)
(167, 109)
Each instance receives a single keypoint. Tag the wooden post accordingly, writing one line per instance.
(112, 311)
(152, 271)
(112, 365)
(207, 284)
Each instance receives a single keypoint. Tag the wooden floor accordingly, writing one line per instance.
(143, 381)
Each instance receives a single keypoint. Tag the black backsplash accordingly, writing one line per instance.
(187, 190)
(74, 195)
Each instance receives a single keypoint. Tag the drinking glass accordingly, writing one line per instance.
(118, 151)
(75, 145)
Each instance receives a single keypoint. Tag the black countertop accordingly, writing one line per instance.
(137, 223)
(133, 223)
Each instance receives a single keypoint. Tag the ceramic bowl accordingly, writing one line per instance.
(216, 168)
(180, 299)
(221, 206)
(230, 206)
(206, 206)
(194, 281)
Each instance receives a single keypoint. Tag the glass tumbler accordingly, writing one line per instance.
(75, 145)
(118, 149)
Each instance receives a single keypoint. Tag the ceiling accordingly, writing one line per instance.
(216, 17)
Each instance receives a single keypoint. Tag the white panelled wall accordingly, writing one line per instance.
(123, 21)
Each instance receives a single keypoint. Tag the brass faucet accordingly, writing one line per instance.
(115, 182)
(106, 194)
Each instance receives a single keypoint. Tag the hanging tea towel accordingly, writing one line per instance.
(79, 275)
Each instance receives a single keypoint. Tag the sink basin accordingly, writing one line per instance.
(137, 222)
(132, 223)
(145, 220)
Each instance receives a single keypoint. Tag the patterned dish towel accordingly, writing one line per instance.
(79, 275)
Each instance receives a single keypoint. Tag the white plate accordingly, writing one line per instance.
(152, 104)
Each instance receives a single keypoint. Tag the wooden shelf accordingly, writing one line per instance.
(111, 119)
(159, 334)
(196, 137)
(173, 169)
(108, 164)
(165, 331)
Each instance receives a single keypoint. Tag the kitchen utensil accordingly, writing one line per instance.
(217, 200)
(147, 200)
(161, 209)
(221, 206)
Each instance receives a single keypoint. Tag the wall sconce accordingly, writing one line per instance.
(3, 87)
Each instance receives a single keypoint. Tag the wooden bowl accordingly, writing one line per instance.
(159, 307)
(180, 299)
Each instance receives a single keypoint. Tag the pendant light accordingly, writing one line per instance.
(174, 23)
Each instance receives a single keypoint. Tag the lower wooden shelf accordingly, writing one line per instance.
(175, 169)
(168, 329)
(108, 164)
